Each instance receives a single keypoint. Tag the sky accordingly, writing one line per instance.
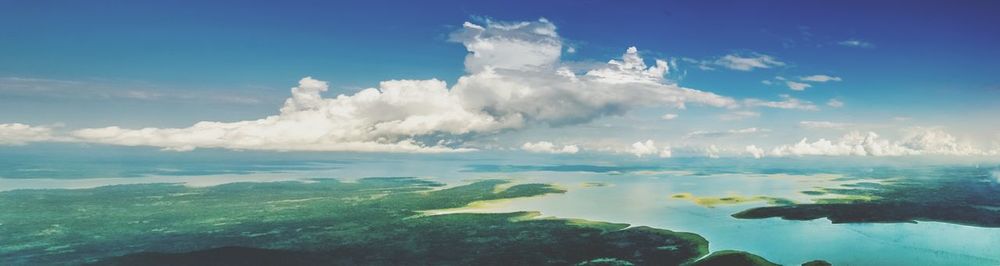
(645, 79)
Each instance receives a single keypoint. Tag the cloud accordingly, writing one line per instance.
(819, 78)
(856, 43)
(801, 86)
(548, 147)
(835, 103)
(738, 115)
(640, 149)
(787, 102)
(668, 116)
(917, 142)
(717, 134)
(797, 86)
(822, 124)
(383, 119)
(117, 90)
(20, 134)
(712, 151)
(755, 152)
(515, 79)
(701, 64)
(748, 63)
(515, 45)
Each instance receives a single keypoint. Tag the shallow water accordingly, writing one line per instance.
(644, 200)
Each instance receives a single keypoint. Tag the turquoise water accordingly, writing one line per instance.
(644, 200)
(614, 189)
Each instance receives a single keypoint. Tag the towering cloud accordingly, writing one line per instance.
(515, 80)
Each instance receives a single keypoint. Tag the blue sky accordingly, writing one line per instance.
(904, 66)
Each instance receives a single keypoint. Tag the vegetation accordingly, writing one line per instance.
(374, 221)
(711, 202)
(733, 258)
(953, 195)
(817, 263)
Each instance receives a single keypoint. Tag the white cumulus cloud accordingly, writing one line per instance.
(548, 147)
(20, 134)
(712, 151)
(754, 151)
(648, 147)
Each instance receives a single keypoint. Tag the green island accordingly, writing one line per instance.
(373, 221)
(965, 196)
(732, 257)
(711, 202)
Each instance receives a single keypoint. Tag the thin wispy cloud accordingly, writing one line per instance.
(823, 124)
(114, 90)
(724, 133)
(835, 103)
(787, 102)
(856, 43)
(738, 115)
(819, 78)
(748, 62)
(736, 61)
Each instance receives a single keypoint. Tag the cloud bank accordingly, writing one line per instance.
(515, 79)
(917, 142)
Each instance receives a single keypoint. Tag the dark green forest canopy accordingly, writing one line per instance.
(371, 221)
(961, 195)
